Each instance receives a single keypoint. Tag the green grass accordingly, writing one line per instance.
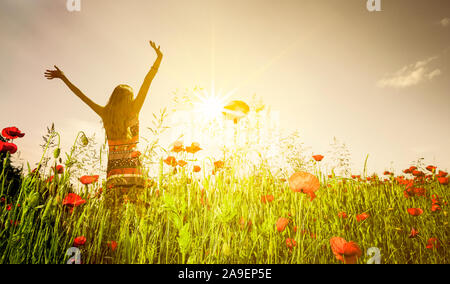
(178, 227)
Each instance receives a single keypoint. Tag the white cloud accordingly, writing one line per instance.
(445, 22)
(411, 75)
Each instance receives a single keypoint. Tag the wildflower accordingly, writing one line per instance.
(79, 241)
(112, 245)
(235, 110)
(431, 168)
(387, 173)
(218, 165)
(73, 200)
(89, 179)
(197, 169)
(362, 217)
(243, 223)
(435, 207)
(414, 233)
(443, 180)
(442, 174)
(50, 179)
(342, 215)
(8, 147)
(347, 252)
(177, 147)
(194, 148)
(59, 169)
(267, 198)
(291, 243)
(415, 211)
(433, 243)
(407, 171)
(318, 158)
(281, 224)
(182, 163)
(12, 133)
(9, 207)
(304, 182)
(171, 161)
(2, 200)
(419, 191)
(418, 173)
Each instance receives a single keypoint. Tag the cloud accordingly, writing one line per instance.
(411, 75)
(445, 22)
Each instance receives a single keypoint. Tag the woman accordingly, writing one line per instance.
(120, 119)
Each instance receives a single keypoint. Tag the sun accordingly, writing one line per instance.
(210, 105)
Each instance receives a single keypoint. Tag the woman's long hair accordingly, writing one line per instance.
(118, 113)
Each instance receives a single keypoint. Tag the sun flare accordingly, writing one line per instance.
(210, 105)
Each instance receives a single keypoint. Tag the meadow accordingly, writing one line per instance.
(206, 212)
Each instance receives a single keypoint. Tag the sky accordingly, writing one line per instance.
(378, 81)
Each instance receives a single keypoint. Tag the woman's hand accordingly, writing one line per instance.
(158, 51)
(52, 74)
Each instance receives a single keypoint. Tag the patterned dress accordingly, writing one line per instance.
(124, 175)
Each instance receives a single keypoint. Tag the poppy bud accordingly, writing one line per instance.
(84, 140)
(56, 153)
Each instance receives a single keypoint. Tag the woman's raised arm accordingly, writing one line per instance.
(140, 98)
(52, 74)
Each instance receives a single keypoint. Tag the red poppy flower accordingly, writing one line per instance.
(177, 147)
(197, 169)
(50, 179)
(182, 163)
(347, 252)
(9, 207)
(418, 173)
(73, 200)
(387, 173)
(171, 161)
(218, 165)
(412, 168)
(243, 223)
(407, 171)
(112, 245)
(79, 241)
(342, 215)
(318, 158)
(433, 243)
(8, 147)
(304, 182)
(442, 174)
(443, 180)
(431, 168)
(59, 169)
(419, 191)
(267, 198)
(362, 217)
(291, 243)
(415, 211)
(414, 233)
(194, 148)
(435, 207)
(281, 224)
(89, 179)
(12, 133)
(2, 200)
(435, 199)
